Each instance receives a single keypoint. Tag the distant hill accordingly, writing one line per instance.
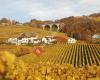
(95, 15)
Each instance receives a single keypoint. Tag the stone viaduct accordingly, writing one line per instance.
(51, 27)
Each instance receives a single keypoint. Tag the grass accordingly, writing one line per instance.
(14, 31)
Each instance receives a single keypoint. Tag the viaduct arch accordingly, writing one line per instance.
(51, 27)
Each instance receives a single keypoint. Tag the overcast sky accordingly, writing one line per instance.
(24, 10)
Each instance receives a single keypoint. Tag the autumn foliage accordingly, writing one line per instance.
(81, 28)
(12, 68)
(60, 39)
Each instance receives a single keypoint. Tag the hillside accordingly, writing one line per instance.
(82, 28)
(15, 31)
(60, 61)
(95, 15)
(86, 25)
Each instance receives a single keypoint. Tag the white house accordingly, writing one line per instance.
(44, 40)
(96, 36)
(12, 40)
(72, 40)
(19, 42)
(36, 41)
(51, 40)
(48, 40)
(25, 40)
(33, 40)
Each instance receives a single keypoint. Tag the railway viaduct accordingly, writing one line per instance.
(51, 27)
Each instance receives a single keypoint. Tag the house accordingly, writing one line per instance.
(44, 40)
(12, 40)
(19, 42)
(24, 40)
(36, 41)
(72, 40)
(51, 40)
(33, 40)
(48, 40)
(96, 38)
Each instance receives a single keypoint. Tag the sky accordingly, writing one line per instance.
(25, 10)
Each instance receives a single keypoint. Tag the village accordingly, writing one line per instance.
(23, 39)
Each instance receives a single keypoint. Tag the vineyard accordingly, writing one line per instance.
(60, 61)
(77, 55)
(12, 68)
